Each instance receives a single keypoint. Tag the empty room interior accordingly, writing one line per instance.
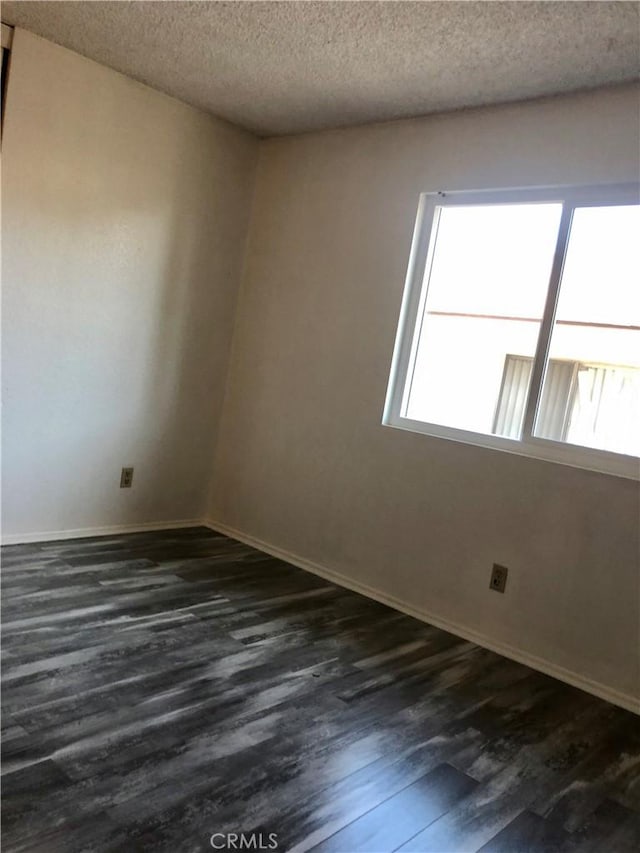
(321, 426)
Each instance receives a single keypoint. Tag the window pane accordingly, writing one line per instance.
(597, 327)
(484, 301)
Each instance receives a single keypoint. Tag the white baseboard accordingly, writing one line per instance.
(602, 691)
(109, 530)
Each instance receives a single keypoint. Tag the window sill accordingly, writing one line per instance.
(590, 459)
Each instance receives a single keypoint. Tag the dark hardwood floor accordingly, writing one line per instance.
(160, 689)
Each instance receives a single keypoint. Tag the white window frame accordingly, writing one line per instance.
(414, 299)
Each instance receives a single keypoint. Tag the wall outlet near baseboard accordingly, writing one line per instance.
(498, 578)
(126, 478)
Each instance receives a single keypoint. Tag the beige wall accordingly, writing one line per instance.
(303, 462)
(124, 221)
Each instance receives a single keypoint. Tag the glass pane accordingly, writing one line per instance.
(597, 330)
(481, 316)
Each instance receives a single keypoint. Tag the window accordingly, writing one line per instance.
(520, 325)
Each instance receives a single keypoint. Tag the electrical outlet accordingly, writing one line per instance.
(498, 578)
(126, 478)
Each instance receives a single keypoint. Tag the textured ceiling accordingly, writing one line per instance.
(286, 67)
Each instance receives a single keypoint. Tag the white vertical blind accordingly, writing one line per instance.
(557, 400)
(555, 406)
(513, 396)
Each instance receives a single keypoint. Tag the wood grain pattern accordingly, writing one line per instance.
(162, 687)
